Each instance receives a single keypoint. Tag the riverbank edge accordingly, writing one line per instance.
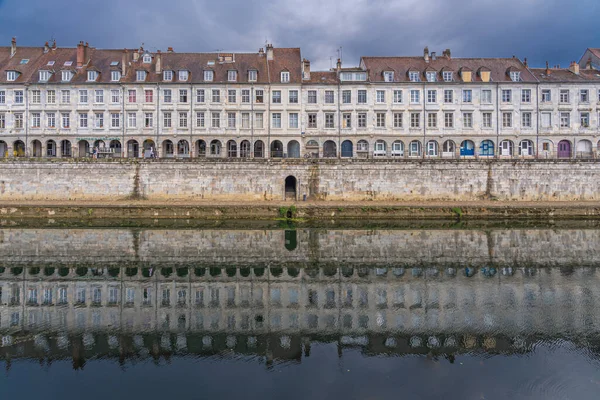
(300, 211)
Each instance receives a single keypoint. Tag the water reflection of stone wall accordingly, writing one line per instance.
(531, 247)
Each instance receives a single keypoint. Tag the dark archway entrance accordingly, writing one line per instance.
(290, 188)
(564, 149)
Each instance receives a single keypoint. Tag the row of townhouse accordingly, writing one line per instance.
(66, 102)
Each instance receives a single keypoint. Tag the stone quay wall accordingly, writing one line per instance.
(462, 180)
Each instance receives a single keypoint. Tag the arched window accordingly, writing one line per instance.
(168, 150)
(398, 149)
(276, 149)
(293, 149)
(380, 149)
(50, 148)
(584, 149)
(448, 148)
(432, 148)
(506, 148)
(65, 148)
(486, 149)
(215, 148)
(329, 149)
(200, 148)
(183, 148)
(362, 146)
(526, 148)
(467, 148)
(259, 149)
(347, 148)
(133, 149)
(245, 149)
(414, 149)
(231, 149)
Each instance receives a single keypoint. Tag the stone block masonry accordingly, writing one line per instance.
(323, 180)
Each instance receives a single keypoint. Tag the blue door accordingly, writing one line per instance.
(467, 148)
(486, 148)
(346, 148)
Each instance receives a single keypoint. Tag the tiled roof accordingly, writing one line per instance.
(595, 52)
(323, 77)
(565, 75)
(498, 67)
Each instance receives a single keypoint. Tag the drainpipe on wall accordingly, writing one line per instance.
(537, 126)
(124, 119)
(252, 120)
(339, 110)
(191, 121)
(268, 145)
(424, 148)
(497, 147)
(26, 121)
(157, 120)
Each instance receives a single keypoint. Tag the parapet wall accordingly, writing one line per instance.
(322, 180)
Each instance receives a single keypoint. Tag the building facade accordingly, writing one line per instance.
(77, 102)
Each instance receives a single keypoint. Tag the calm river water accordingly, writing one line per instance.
(300, 313)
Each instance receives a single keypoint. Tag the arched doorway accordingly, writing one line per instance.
(467, 148)
(36, 146)
(432, 148)
(293, 149)
(564, 149)
(3, 149)
(486, 149)
(183, 149)
(215, 148)
(245, 149)
(259, 149)
(414, 148)
(168, 150)
(290, 188)
(149, 149)
(65, 148)
(133, 149)
(200, 148)
(380, 148)
(19, 148)
(84, 148)
(506, 148)
(584, 149)
(526, 148)
(276, 149)
(231, 149)
(50, 148)
(115, 148)
(347, 148)
(448, 149)
(329, 149)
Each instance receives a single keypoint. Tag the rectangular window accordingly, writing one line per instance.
(83, 96)
(565, 119)
(259, 96)
(99, 96)
(232, 96)
(132, 96)
(208, 76)
(546, 95)
(18, 96)
(312, 97)
(231, 120)
(329, 97)
(200, 121)
(200, 96)
(449, 120)
(131, 120)
(486, 96)
(584, 96)
(167, 123)
(36, 120)
(467, 96)
(346, 120)
(467, 120)
(431, 76)
(432, 96)
(526, 96)
(380, 96)
(293, 97)
(115, 76)
(432, 120)
(285, 77)
(115, 120)
(183, 95)
(564, 95)
(415, 120)
(415, 96)
(232, 76)
(380, 120)
(18, 120)
(140, 76)
(276, 96)
(216, 96)
(506, 95)
(346, 96)
(414, 76)
(2, 97)
(36, 96)
(258, 121)
(245, 95)
(183, 120)
(448, 96)
(51, 96)
(252, 75)
(51, 119)
(114, 96)
(167, 96)
(83, 120)
(526, 120)
(329, 120)
(398, 120)
(312, 120)
(507, 120)
(65, 120)
(362, 96)
(216, 120)
(293, 120)
(149, 95)
(388, 76)
(584, 119)
(2, 121)
(246, 120)
(546, 120)
(148, 120)
(276, 120)
(448, 76)
(362, 120)
(397, 96)
(44, 76)
(99, 120)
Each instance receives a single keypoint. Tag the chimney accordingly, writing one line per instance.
(269, 52)
(574, 68)
(261, 52)
(446, 53)
(46, 47)
(124, 60)
(80, 54)
(426, 54)
(305, 69)
(158, 62)
(136, 55)
(13, 46)
(54, 45)
(548, 72)
(169, 50)
(433, 56)
(339, 64)
(525, 62)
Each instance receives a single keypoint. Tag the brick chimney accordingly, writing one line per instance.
(170, 50)
(548, 71)
(54, 45)
(525, 63)
(124, 61)
(46, 47)
(13, 46)
(446, 53)
(158, 64)
(574, 68)
(269, 52)
(339, 64)
(305, 69)
(426, 54)
(261, 52)
(80, 54)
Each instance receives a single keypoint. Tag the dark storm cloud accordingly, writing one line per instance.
(554, 30)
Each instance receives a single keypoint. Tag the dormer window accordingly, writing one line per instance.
(413, 76)
(183, 75)
(68, 63)
(66, 76)
(388, 76)
(232, 76)
(50, 63)
(448, 76)
(140, 76)
(208, 76)
(285, 77)
(147, 59)
(515, 76)
(11, 76)
(114, 63)
(92, 76)
(44, 76)
(115, 76)
(24, 61)
(167, 76)
(431, 76)
(252, 75)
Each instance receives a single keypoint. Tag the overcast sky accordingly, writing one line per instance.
(555, 30)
